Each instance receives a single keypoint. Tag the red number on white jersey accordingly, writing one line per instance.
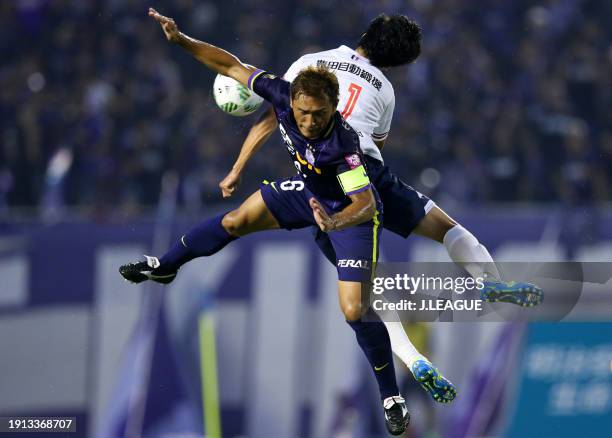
(355, 91)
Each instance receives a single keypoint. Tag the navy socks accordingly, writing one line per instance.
(204, 240)
(374, 341)
(210, 237)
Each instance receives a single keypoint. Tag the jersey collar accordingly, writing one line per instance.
(354, 54)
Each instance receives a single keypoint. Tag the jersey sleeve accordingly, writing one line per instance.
(273, 89)
(351, 173)
(381, 132)
(350, 168)
(293, 71)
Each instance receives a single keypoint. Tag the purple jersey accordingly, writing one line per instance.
(325, 164)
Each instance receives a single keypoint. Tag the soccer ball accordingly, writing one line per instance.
(234, 98)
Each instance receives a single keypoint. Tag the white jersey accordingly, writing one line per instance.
(367, 99)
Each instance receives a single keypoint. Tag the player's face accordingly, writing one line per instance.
(312, 115)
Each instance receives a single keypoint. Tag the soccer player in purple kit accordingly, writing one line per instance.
(331, 190)
(367, 102)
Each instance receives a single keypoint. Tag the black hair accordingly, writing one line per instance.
(316, 82)
(391, 40)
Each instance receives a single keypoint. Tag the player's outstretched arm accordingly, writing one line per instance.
(259, 133)
(362, 209)
(213, 57)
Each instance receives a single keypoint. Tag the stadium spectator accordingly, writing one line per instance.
(509, 101)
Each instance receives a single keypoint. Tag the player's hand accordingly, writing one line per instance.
(167, 24)
(230, 183)
(325, 223)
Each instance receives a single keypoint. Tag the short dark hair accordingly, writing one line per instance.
(391, 40)
(316, 82)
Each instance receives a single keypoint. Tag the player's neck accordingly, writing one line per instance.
(361, 52)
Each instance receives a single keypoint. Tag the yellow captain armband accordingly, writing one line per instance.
(354, 181)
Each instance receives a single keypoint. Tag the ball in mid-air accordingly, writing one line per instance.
(234, 98)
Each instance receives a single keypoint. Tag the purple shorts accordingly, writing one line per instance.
(356, 247)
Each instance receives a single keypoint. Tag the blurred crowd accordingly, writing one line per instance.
(509, 101)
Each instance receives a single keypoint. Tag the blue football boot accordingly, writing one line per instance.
(440, 388)
(515, 292)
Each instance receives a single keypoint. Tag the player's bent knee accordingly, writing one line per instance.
(352, 311)
(442, 229)
(435, 225)
(234, 223)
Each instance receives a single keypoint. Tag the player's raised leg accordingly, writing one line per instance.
(466, 251)
(206, 239)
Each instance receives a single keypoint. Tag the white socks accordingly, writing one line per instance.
(465, 250)
(400, 343)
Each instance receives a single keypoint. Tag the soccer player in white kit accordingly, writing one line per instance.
(367, 102)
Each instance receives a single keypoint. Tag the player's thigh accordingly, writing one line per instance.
(404, 207)
(353, 298)
(356, 250)
(324, 243)
(253, 215)
(435, 224)
(287, 201)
